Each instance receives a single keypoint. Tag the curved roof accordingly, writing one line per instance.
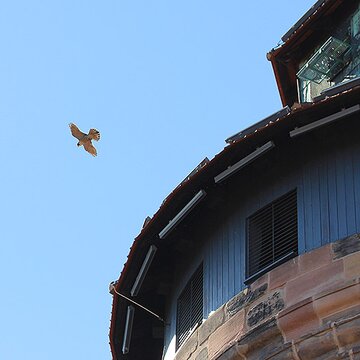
(239, 146)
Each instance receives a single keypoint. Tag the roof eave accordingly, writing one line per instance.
(298, 34)
(161, 216)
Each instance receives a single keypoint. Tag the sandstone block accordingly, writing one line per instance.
(314, 282)
(211, 324)
(337, 301)
(320, 347)
(282, 274)
(188, 347)
(298, 320)
(226, 335)
(315, 259)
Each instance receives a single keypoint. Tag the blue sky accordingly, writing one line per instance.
(165, 82)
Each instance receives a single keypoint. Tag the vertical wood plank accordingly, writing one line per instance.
(349, 193)
(356, 169)
(308, 218)
(315, 206)
(340, 191)
(328, 188)
(324, 203)
(332, 196)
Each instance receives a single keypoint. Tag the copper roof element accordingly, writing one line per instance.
(310, 30)
(146, 221)
(303, 19)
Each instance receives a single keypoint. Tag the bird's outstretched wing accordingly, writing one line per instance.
(88, 146)
(76, 132)
(94, 135)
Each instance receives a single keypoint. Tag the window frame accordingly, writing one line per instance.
(195, 308)
(294, 244)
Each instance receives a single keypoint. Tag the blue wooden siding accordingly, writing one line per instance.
(327, 179)
(328, 188)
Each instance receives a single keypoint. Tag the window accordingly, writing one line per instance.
(189, 307)
(326, 62)
(272, 235)
(333, 62)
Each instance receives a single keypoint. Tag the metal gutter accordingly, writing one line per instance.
(181, 214)
(276, 70)
(244, 161)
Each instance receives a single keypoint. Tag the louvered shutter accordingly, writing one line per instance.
(272, 234)
(189, 307)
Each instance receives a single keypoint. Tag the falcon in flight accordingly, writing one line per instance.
(85, 139)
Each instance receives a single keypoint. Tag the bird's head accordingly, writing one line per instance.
(78, 144)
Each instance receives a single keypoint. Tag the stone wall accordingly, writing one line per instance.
(307, 308)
